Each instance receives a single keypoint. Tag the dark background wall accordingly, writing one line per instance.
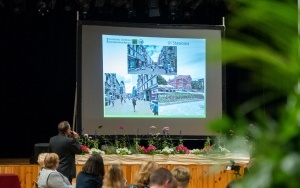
(38, 68)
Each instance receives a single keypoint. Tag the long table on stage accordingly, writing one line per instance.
(207, 171)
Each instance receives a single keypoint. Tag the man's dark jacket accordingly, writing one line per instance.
(66, 148)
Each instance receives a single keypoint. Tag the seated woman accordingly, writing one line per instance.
(49, 177)
(114, 177)
(92, 173)
(142, 177)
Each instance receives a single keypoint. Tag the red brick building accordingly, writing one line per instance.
(181, 82)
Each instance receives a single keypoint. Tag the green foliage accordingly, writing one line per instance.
(262, 37)
(197, 85)
(88, 141)
(176, 96)
(161, 80)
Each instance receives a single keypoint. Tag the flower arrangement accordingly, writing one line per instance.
(210, 149)
(207, 146)
(167, 151)
(196, 151)
(181, 149)
(84, 149)
(87, 142)
(123, 151)
(142, 150)
(167, 141)
(97, 151)
(156, 145)
(151, 150)
(123, 141)
(153, 137)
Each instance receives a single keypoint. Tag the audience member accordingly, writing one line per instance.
(49, 177)
(92, 173)
(114, 177)
(142, 177)
(182, 176)
(66, 145)
(161, 178)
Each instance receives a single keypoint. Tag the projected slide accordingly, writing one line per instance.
(154, 77)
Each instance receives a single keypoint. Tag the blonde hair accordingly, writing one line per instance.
(51, 160)
(182, 175)
(142, 177)
(114, 177)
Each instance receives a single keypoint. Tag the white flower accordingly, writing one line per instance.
(167, 150)
(224, 149)
(86, 135)
(152, 127)
(123, 151)
(98, 151)
(195, 151)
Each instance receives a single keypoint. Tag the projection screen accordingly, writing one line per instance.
(142, 75)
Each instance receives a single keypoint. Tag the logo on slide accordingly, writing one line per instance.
(140, 41)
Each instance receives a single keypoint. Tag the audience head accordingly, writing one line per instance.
(182, 176)
(51, 161)
(143, 176)
(114, 177)
(64, 127)
(94, 165)
(161, 178)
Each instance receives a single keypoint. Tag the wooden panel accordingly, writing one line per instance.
(202, 176)
(27, 173)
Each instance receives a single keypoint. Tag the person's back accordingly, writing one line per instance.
(88, 180)
(66, 148)
(49, 177)
(92, 173)
(52, 179)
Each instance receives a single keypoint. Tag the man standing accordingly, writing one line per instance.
(65, 145)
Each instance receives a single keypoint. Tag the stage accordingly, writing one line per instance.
(206, 171)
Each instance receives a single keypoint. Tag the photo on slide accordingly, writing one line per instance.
(152, 59)
(130, 95)
(181, 95)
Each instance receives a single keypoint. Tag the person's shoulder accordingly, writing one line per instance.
(54, 175)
